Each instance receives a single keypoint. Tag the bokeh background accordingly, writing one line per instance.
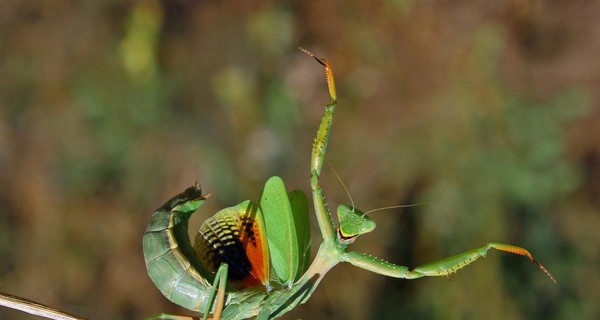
(486, 112)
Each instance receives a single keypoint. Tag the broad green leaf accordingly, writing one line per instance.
(299, 204)
(281, 231)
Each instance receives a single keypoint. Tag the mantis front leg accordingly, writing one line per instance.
(445, 267)
(318, 156)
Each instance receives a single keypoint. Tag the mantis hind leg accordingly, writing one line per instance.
(221, 281)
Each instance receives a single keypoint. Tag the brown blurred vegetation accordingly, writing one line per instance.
(488, 112)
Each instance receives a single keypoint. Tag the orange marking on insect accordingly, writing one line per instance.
(330, 79)
(328, 72)
(523, 252)
(254, 241)
(515, 250)
(236, 236)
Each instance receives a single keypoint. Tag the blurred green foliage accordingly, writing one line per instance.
(487, 113)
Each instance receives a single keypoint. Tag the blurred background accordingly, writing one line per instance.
(486, 112)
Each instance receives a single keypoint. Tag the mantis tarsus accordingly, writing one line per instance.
(252, 260)
(192, 279)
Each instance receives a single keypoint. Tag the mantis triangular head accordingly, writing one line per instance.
(352, 224)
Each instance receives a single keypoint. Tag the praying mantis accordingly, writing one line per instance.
(252, 259)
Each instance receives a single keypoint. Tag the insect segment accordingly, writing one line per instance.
(171, 261)
(267, 281)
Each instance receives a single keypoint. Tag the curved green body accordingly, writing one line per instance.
(171, 262)
(173, 266)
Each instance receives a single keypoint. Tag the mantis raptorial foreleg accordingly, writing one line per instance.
(445, 267)
(320, 145)
(318, 156)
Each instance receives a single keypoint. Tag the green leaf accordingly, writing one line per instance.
(280, 227)
(299, 204)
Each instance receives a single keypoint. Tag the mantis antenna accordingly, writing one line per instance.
(342, 183)
(395, 207)
(372, 210)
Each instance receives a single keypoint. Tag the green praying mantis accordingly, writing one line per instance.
(253, 259)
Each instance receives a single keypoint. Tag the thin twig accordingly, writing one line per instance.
(35, 308)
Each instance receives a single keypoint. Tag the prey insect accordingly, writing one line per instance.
(252, 260)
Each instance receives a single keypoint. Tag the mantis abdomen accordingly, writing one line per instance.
(170, 259)
(233, 237)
